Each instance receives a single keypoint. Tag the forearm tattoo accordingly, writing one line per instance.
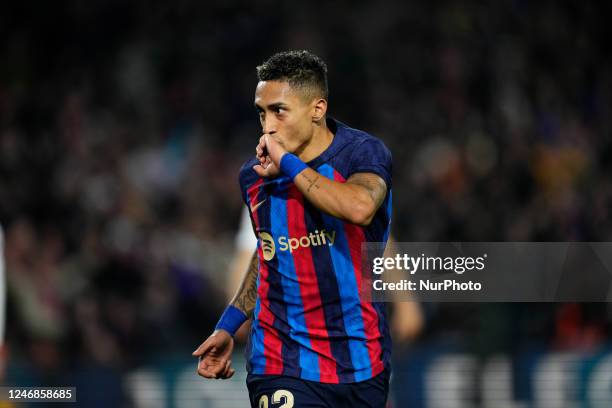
(246, 296)
(374, 185)
(311, 182)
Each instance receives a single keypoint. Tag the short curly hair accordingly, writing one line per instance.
(301, 69)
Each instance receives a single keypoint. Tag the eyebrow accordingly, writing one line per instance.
(271, 106)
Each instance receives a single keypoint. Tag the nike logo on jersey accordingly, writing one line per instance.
(256, 206)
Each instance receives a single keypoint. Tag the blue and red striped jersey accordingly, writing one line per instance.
(310, 320)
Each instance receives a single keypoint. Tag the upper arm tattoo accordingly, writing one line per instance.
(374, 185)
(246, 296)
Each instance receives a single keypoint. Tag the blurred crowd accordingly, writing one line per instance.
(123, 126)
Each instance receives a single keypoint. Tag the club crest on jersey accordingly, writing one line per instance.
(317, 238)
(267, 245)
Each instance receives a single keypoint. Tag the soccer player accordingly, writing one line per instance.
(316, 190)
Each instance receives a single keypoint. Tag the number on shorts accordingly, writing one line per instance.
(280, 396)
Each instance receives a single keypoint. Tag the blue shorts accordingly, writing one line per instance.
(278, 391)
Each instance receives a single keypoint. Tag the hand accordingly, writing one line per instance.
(215, 355)
(269, 152)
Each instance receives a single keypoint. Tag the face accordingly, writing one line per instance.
(285, 114)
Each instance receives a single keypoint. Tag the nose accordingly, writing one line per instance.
(269, 124)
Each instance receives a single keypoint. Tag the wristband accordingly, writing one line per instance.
(291, 165)
(231, 320)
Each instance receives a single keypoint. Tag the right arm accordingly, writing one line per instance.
(215, 352)
(245, 297)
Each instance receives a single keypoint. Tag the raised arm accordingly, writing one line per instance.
(356, 201)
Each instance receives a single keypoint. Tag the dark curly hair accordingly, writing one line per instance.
(302, 69)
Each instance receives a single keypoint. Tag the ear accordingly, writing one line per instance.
(319, 109)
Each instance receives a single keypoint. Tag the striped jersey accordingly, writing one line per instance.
(309, 320)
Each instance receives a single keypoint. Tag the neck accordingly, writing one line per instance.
(321, 139)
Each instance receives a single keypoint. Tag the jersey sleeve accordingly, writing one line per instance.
(246, 177)
(372, 156)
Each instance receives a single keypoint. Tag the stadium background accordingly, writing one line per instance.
(123, 126)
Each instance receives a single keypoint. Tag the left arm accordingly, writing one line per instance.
(356, 201)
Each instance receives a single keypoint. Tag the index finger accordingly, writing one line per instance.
(203, 348)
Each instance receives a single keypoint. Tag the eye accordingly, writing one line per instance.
(278, 109)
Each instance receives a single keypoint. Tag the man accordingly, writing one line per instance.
(316, 191)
